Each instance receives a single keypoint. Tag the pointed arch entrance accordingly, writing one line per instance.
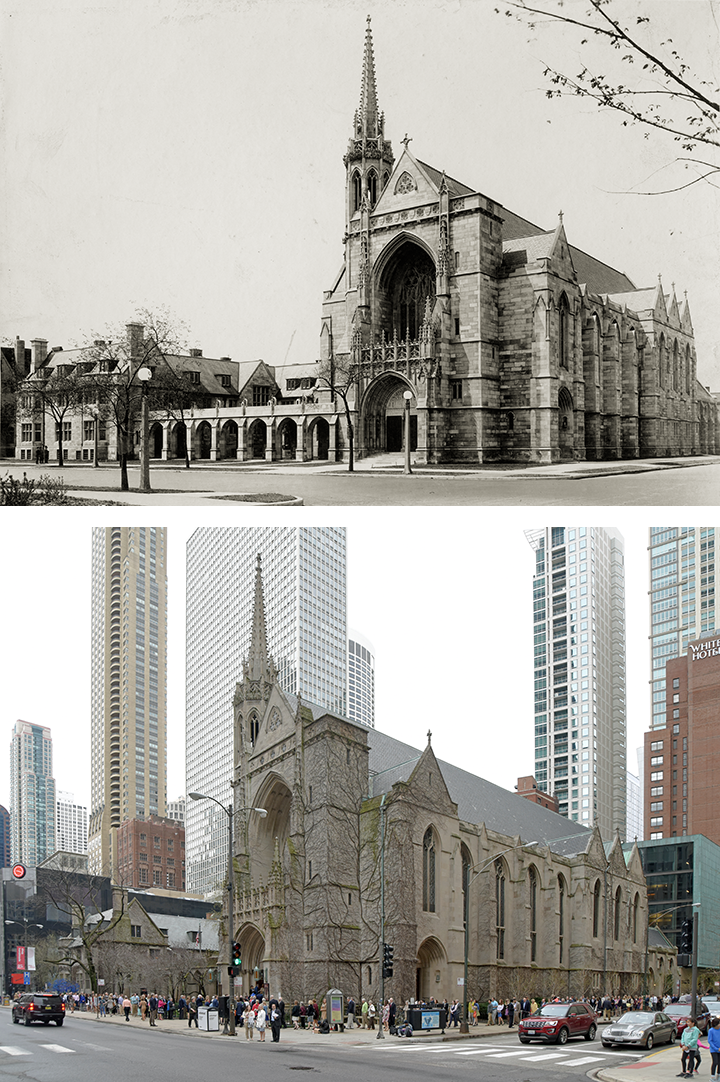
(431, 969)
(566, 426)
(382, 415)
(252, 955)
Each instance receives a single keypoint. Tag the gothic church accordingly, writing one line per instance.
(515, 345)
(368, 840)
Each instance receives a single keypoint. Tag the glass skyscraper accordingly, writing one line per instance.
(128, 772)
(361, 679)
(32, 793)
(682, 598)
(304, 582)
(579, 672)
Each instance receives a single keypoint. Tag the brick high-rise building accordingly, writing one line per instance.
(683, 759)
(128, 679)
(151, 853)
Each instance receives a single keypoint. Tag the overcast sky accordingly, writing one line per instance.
(444, 596)
(188, 153)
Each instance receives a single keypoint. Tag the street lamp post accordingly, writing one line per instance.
(145, 375)
(262, 812)
(480, 870)
(407, 395)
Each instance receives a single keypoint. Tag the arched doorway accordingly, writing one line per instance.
(566, 434)
(407, 281)
(252, 955)
(156, 441)
(287, 439)
(228, 441)
(431, 969)
(257, 439)
(319, 440)
(383, 411)
(203, 440)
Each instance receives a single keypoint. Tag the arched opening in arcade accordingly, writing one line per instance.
(383, 416)
(406, 283)
(566, 435)
(319, 439)
(287, 439)
(257, 439)
(431, 969)
(228, 440)
(178, 440)
(156, 441)
(203, 440)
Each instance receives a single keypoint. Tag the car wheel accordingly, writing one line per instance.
(649, 1041)
(590, 1035)
(46, 1021)
(562, 1036)
(59, 1021)
(672, 1038)
(15, 1019)
(27, 1019)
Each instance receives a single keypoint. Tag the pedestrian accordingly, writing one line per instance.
(143, 1006)
(364, 1013)
(249, 1020)
(261, 1021)
(371, 1015)
(127, 1005)
(192, 1012)
(153, 1008)
(713, 1036)
(350, 1012)
(134, 1000)
(510, 1012)
(454, 1014)
(275, 1022)
(295, 1015)
(386, 1015)
(689, 1044)
(493, 1011)
(281, 1008)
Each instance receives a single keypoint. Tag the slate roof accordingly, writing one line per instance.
(478, 800)
(455, 187)
(656, 939)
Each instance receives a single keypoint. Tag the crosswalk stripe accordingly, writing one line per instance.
(10, 1050)
(584, 1059)
(504, 1055)
(475, 1052)
(58, 1048)
(545, 1055)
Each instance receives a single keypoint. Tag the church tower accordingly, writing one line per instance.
(369, 158)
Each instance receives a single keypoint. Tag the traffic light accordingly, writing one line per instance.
(686, 937)
(236, 968)
(387, 960)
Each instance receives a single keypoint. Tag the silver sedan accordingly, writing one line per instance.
(644, 1028)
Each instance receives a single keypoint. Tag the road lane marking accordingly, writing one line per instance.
(504, 1055)
(577, 1062)
(11, 1050)
(58, 1048)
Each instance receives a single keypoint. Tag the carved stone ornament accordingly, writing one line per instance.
(254, 691)
(275, 720)
(405, 184)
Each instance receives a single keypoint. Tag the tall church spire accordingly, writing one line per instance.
(369, 158)
(258, 665)
(367, 119)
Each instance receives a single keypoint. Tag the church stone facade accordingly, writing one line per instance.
(351, 811)
(515, 345)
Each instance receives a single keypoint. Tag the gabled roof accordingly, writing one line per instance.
(455, 187)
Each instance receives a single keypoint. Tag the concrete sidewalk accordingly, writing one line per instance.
(660, 1066)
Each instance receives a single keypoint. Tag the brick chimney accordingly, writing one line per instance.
(135, 333)
(19, 356)
(196, 353)
(39, 354)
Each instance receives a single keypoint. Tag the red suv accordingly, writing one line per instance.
(557, 1021)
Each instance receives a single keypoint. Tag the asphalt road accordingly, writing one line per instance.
(84, 1050)
(684, 485)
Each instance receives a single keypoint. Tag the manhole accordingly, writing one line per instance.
(301, 1068)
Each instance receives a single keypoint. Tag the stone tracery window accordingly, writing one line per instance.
(417, 285)
(405, 183)
(500, 909)
(429, 871)
(532, 877)
(596, 909)
(618, 905)
(372, 184)
(561, 916)
(356, 190)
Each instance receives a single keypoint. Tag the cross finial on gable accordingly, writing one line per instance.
(406, 140)
(429, 736)
(560, 216)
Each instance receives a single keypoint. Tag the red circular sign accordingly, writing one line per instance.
(19, 871)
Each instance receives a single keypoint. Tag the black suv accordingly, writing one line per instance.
(42, 1007)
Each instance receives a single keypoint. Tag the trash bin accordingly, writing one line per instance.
(208, 1019)
(427, 1018)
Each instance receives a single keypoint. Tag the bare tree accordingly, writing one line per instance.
(650, 82)
(57, 390)
(341, 377)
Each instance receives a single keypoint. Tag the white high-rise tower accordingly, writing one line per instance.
(579, 643)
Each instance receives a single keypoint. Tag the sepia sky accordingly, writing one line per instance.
(188, 154)
(444, 596)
